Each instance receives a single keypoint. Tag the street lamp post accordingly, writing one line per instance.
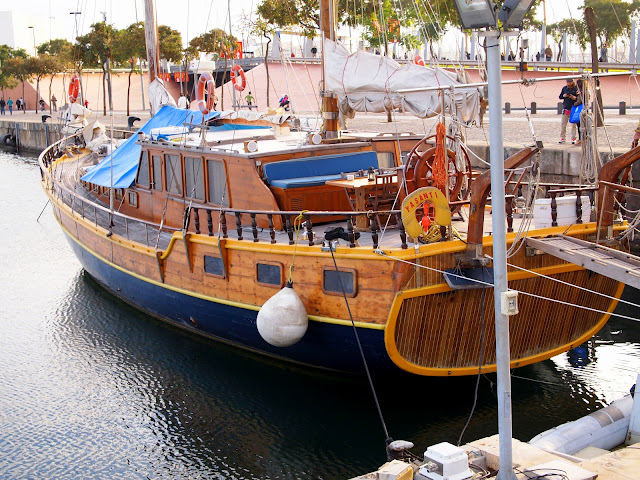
(33, 30)
(479, 14)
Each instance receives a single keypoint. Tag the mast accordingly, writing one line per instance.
(151, 38)
(329, 101)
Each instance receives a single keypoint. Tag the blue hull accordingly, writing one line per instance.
(325, 345)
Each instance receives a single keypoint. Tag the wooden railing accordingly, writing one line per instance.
(288, 219)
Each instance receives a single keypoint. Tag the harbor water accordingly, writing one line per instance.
(91, 388)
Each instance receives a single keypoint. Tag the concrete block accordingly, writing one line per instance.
(555, 467)
(523, 453)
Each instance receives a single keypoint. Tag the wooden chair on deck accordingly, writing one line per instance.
(383, 196)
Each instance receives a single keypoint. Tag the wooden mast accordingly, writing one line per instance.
(329, 101)
(151, 38)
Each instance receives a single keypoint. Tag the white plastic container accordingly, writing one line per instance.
(566, 211)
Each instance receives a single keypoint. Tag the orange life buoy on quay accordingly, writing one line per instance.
(74, 89)
(237, 78)
(206, 82)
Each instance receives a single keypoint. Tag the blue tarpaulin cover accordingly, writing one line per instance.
(126, 157)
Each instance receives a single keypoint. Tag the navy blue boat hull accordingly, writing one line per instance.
(325, 345)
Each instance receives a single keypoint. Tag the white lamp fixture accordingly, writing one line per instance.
(513, 12)
(476, 14)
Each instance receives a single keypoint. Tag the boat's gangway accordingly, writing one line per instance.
(621, 266)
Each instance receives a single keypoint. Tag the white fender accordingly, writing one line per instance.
(283, 320)
(605, 428)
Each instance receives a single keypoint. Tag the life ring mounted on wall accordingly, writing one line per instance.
(206, 83)
(74, 89)
(238, 78)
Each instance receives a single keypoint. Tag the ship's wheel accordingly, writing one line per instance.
(420, 170)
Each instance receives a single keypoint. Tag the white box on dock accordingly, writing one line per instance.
(566, 211)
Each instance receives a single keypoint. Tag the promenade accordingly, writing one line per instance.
(617, 132)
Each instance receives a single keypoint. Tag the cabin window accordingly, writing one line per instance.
(143, 171)
(217, 183)
(194, 178)
(118, 193)
(269, 274)
(157, 172)
(173, 174)
(332, 280)
(386, 160)
(213, 265)
(133, 199)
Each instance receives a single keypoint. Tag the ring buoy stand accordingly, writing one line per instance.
(206, 82)
(237, 78)
(415, 200)
(74, 89)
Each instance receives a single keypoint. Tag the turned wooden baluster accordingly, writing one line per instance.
(239, 225)
(272, 231)
(307, 218)
(579, 206)
(554, 210)
(352, 234)
(223, 224)
(374, 230)
(196, 219)
(287, 221)
(210, 223)
(254, 227)
(509, 208)
(403, 234)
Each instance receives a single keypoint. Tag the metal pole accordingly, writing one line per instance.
(499, 255)
(632, 43)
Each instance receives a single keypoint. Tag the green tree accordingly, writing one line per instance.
(129, 46)
(614, 17)
(216, 41)
(59, 47)
(21, 69)
(7, 80)
(96, 48)
(170, 44)
(259, 26)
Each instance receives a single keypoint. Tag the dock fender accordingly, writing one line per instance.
(8, 140)
(605, 428)
(282, 321)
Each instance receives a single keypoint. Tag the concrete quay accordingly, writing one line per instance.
(559, 162)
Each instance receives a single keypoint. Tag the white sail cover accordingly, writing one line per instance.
(159, 96)
(365, 82)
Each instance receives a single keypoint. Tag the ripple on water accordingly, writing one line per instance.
(91, 388)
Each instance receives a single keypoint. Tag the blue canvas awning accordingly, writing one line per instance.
(127, 156)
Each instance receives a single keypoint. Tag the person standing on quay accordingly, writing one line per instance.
(548, 53)
(2, 105)
(10, 105)
(54, 103)
(568, 95)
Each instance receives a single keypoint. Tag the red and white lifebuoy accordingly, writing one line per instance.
(418, 60)
(74, 89)
(237, 78)
(206, 82)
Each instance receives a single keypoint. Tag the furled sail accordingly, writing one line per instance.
(365, 82)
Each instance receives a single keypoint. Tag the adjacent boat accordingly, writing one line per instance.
(201, 218)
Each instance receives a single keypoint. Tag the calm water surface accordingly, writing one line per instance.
(91, 388)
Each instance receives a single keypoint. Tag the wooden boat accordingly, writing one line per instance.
(206, 226)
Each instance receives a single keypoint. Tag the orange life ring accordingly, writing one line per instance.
(74, 89)
(206, 82)
(412, 202)
(418, 60)
(238, 72)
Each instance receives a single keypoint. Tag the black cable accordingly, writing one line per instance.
(475, 394)
(388, 439)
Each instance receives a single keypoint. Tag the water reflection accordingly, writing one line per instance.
(92, 388)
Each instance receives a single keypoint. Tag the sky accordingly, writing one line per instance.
(190, 17)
